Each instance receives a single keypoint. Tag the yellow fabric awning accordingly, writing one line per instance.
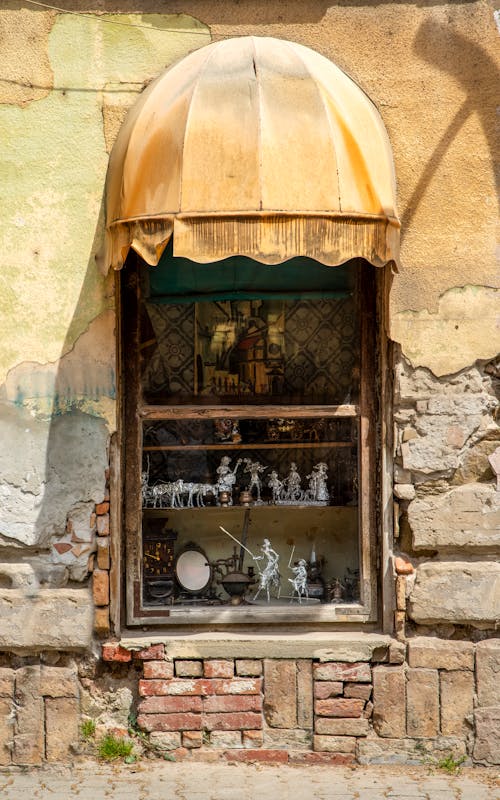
(257, 147)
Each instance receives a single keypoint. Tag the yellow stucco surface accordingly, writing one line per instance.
(54, 162)
(432, 71)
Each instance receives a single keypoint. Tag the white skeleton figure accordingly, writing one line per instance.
(276, 485)
(254, 468)
(270, 574)
(299, 582)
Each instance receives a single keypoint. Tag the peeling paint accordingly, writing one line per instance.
(464, 329)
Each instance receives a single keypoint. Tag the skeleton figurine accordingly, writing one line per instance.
(270, 575)
(275, 485)
(255, 469)
(226, 477)
(293, 481)
(299, 582)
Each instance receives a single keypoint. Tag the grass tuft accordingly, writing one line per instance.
(110, 748)
(87, 729)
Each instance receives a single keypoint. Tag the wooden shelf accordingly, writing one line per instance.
(245, 412)
(246, 446)
(162, 512)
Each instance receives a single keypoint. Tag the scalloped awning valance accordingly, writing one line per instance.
(257, 147)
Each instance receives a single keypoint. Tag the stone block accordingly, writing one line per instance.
(304, 693)
(100, 587)
(58, 682)
(189, 669)
(225, 739)
(7, 676)
(466, 517)
(54, 619)
(487, 743)
(61, 727)
(29, 723)
(434, 653)
(339, 707)
(295, 739)
(6, 730)
(343, 672)
(250, 667)
(166, 740)
(457, 592)
(388, 751)
(457, 699)
(280, 693)
(330, 759)
(218, 668)
(397, 652)
(389, 701)
(488, 672)
(192, 739)
(334, 744)
(422, 703)
(404, 491)
(342, 727)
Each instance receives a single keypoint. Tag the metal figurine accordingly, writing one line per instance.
(276, 485)
(292, 483)
(299, 582)
(254, 468)
(318, 488)
(270, 575)
(226, 477)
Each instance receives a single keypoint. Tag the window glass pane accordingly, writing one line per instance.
(264, 350)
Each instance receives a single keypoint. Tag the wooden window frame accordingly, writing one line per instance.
(132, 413)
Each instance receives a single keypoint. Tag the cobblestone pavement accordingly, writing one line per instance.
(150, 780)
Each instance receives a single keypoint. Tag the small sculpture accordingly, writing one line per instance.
(226, 477)
(254, 468)
(292, 483)
(270, 575)
(318, 488)
(276, 486)
(299, 582)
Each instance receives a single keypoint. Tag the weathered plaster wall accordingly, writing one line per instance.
(67, 79)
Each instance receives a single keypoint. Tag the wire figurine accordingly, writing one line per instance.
(269, 576)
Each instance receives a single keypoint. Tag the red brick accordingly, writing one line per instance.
(169, 705)
(103, 559)
(219, 669)
(232, 702)
(158, 669)
(100, 587)
(362, 691)
(340, 707)
(112, 651)
(252, 739)
(155, 652)
(169, 722)
(340, 671)
(102, 508)
(244, 720)
(200, 686)
(325, 689)
(102, 525)
(301, 757)
(263, 756)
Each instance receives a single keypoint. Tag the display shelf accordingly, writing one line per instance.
(151, 412)
(249, 446)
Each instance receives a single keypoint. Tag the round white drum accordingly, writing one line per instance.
(192, 570)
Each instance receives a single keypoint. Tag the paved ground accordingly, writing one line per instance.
(154, 780)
